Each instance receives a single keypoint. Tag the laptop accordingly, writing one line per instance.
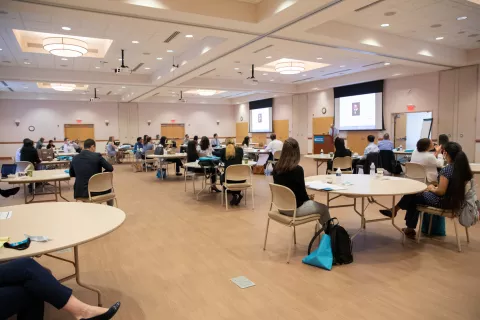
(8, 169)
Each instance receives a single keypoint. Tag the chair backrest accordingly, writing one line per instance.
(372, 157)
(342, 163)
(415, 171)
(23, 166)
(149, 152)
(238, 172)
(387, 158)
(277, 154)
(101, 182)
(46, 154)
(283, 198)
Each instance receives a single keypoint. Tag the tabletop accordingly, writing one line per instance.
(65, 154)
(252, 150)
(402, 152)
(367, 185)
(40, 176)
(195, 165)
(46, 163)
(475, 167)
(168, 156)
(324, 157)
(68, 224)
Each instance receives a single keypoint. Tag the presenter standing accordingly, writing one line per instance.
(333, 132)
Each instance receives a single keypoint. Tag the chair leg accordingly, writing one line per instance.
(266, 234)
(290, 247)
(294, 235)
(116, 203)
(468, 236)
(253, 200)
(430, 226)
(419, 231)
(226, 199)
(459, 246)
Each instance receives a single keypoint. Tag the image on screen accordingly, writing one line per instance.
(359, 112)
(261, 120)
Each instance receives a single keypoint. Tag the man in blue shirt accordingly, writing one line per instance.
(386, 143)
(137, 149)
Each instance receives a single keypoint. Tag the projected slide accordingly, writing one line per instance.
(359, 112)
(261, 120)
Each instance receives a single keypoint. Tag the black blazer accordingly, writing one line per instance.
(83, 167)
(30, 154)
(228, 162)
(342, 153)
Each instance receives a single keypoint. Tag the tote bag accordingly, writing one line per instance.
(322, 257)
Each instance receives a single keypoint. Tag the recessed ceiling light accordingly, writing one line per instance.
(236, 68)
(66, 28)
(396, 74)
(26, 62)
(342, 66)
(268, 57)
(64, 59)
(304, 75)
(170, 51)
(147, 68)
(97, 67)
(159, 77)
(123, 87)
(119, 59)
(265, 74)
(319, 58)
(383, 25)
(135, 41)
(386, 64)
(159, 58)
(25, 87)
(461, 18)
(439, 38)
(1, 49)
(189, 36)
(271, 79)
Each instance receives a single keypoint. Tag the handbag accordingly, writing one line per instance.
(137, 167)
(322, 257)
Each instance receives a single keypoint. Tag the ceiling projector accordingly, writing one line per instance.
(181, 98)
(95, 98)
(123, 69)
(251, 80)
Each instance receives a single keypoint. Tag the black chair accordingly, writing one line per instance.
(373, 157)
(388, 160)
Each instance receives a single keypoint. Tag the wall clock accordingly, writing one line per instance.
(241, 118)
(31, 128)
(324, 110)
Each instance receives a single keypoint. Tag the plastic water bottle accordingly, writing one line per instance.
(372, 169)
(338, 176)
(321, 151)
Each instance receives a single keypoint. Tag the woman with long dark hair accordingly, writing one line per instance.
(340, 151)
(204, 149)
(246, 142)
(449, 194)
(288, 173)
(193, 155)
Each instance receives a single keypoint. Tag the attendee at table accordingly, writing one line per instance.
(19, 150)
(449, 194)
(50, 144)
(76, 145)
(67, 146)
(195, 138)
(423, 156)
(148, 145)
(246, 142)
(274, 145)
(25, 286)
(232, 155)
(442, 141)
(138, 147)
(193, 156)
(288, 173)
(186, 139)
(39, 144)
(386, 143)
(371, 147)
(112, 150)
(178, 162)
(29, 153)
(204, 149)
(84, 166)
(340, 151)
(215, 142)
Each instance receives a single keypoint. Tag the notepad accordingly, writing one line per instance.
(319, 185)
(5, 215)
(242, 282)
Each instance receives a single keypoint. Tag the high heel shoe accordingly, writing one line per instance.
(107, 315)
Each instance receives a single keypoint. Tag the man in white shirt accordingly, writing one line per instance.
(67, 147)
(423, 156)
(334, 132)
(215, 142)
(371, 147)
(274, 145)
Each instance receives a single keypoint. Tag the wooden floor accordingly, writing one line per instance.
(174, 257)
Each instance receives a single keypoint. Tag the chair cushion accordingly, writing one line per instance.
(288, 221)
(237, 186)
(436, 211)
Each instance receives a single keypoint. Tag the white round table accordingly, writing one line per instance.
(475, 167)
(68, 224)
(367, 186)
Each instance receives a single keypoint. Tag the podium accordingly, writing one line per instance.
(323, 141)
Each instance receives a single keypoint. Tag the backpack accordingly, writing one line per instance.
(209, 161)
(341, 242)
(469, 212)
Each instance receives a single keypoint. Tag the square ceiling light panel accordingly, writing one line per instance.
(307, 65)
(31, 41)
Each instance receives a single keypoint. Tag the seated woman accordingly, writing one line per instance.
(192, 156)
(246, 142)
(204, 149)
(50, 145)
(288, 173)
(232, 155)
(25, 286)
(178, 162)
(449, 194)
(112, 150)
(340, 152)
(423, 156)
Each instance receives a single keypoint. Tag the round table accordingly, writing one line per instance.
(367, 186)
(68, 224)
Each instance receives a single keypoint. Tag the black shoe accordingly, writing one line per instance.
(179, 174)
(215, 189)
(239, 198)
(107, 315)
(13, 191)
(234, 199)
(4, 193)
(387, 213)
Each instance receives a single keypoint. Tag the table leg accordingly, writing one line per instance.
(79, 281)
(318, 165)
(60, 192)
(205, 184)
(393, 219)
(55, 189)
(362, 216)
(25, 192)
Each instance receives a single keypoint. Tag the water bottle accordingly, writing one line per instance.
(338, 175)
(321, 151)
(372, 169)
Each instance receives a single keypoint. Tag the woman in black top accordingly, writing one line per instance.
(29, 153)
(232, 155)
(288, 173)
(192, 156)
(246, 141)
(340, 152)
(50, 145)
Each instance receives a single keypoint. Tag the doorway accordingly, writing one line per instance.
(173, 131)
(408, 128)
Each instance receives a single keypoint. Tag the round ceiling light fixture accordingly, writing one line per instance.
(65, 47)
(206, 93)
(63, 86)
(291, 67)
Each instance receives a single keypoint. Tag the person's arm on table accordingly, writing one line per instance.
(107, 167)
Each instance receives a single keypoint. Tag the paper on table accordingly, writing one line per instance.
(319, 185)
(5, 215)
(243, 282)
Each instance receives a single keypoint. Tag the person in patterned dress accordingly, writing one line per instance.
(449, 194)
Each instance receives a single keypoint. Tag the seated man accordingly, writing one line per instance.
(215, 142)
(274, 145)
(386, 143)
(138, 148)
(371, 147)
(84, 166)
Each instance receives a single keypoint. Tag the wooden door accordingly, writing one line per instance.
(241, 131)
(467, 101)
(447, 102)
(400, 129)
(357, 140)
(173, 131)
(81, 132)
(281, 129)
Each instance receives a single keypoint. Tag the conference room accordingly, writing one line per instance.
(233, 159)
